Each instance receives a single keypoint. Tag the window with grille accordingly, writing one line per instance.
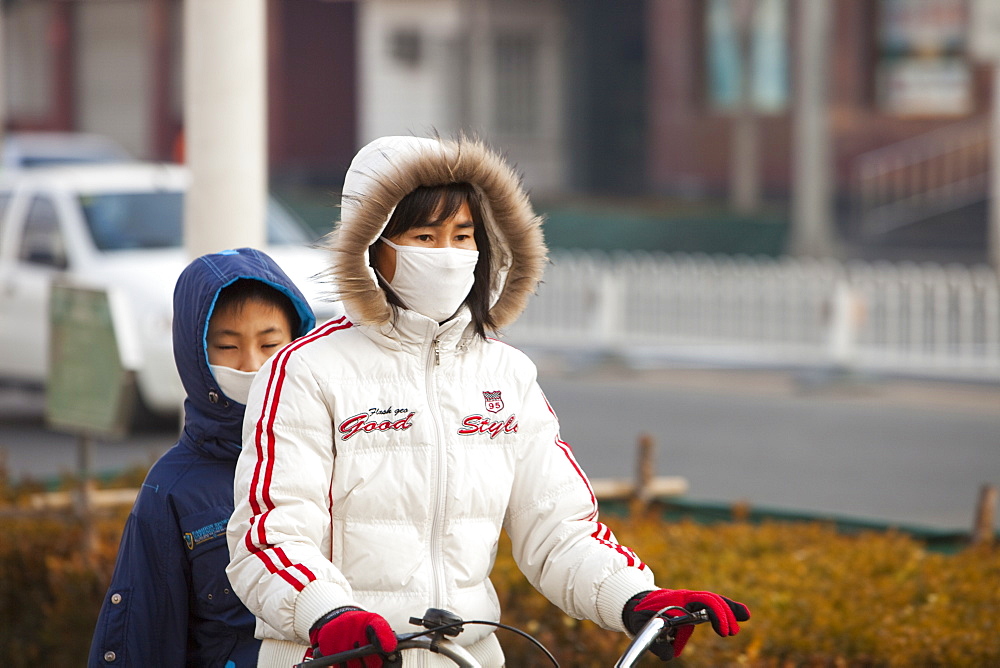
(746, 45)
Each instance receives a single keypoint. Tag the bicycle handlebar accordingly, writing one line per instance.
(445, 647)
(660, 628)
(438, 626)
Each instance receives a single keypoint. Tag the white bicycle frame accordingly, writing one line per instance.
(445, 647)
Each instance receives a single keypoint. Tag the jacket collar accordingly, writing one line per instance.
(409, 331)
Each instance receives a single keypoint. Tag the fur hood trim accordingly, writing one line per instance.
(388, 169)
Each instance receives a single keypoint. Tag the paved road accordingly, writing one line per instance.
(29, 449)
(906, 452)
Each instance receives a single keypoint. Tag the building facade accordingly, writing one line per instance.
(115, 68)
(636, 97)
(897, 69)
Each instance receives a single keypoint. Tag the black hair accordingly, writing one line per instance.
(243, 291)
(432, 204)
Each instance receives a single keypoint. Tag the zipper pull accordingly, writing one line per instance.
(437, 353)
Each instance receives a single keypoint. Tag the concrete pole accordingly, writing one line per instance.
(744, 165)
(225, 124)
(3, 77)
(812, 169)
(481, 84)
(993, 231)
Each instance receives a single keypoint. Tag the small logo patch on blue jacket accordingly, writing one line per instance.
(206, 533)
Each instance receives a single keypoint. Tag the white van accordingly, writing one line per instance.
(117, 227)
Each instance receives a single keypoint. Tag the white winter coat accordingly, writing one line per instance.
(383, 453)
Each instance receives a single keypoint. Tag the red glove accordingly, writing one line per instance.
(723, 613)
(349, 628)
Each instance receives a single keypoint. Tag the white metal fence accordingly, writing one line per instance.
(894, 318)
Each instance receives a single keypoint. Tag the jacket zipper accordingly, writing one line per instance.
(437, 567)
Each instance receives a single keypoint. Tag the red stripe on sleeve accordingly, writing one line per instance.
(264, 443)
(269, 565)
(603, 533)
(258, 430)
(254, 505)
(274, 382)
(270, 408)
(305, 571)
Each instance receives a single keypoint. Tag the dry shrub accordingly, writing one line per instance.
(818, 598)
(50, 590)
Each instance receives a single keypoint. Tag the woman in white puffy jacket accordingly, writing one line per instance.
(384, 452)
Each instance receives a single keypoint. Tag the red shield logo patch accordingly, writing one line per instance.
(494, 403)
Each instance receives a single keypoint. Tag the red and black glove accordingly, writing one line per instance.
(349, 628)
(722, 612)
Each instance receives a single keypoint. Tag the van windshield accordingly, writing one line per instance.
(154, 219)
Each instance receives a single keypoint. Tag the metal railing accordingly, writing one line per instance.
(900, 318)
(920, 177)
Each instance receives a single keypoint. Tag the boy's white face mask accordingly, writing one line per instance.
(433, 281)
(234, 383)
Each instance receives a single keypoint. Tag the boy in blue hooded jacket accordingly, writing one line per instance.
(170, 602)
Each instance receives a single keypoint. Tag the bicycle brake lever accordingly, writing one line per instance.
(701, 615)
(436, 618)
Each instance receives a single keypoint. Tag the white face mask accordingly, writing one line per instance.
(234, 383)
(433, 281)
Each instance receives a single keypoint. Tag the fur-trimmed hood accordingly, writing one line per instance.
(388, 169)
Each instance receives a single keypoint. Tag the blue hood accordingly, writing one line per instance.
(212, 422)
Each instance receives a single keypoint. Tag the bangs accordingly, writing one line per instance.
(444, 201)
(450, 200)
